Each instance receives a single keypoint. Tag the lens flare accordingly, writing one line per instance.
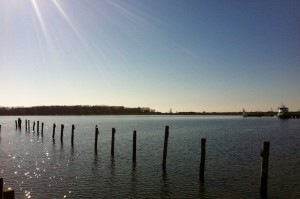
(66, 17)
(40, 18)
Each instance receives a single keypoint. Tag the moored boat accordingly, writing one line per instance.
(283, 112)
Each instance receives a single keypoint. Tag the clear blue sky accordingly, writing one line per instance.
(188, 55)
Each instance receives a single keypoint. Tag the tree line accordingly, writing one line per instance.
(76, 110)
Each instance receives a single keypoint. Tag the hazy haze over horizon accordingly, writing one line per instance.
(185, 55)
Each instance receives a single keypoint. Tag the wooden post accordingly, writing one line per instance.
(38, 126)
(264, 168)
(9, 194)
(33, 126)
(1, 188)
(19, 123)
(0, 128)
(26, 125)
(96, 138)
(134, 147)
(202, 162)
(113, 142)
(165, 148)
(62, 132)
(42, 128)
(53, 134)
(72, 138)
(16, 124)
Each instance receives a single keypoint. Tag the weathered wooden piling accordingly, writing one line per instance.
(112, 152)
(25, 125)
(264, 168)
(42, 128)
(96, 138)
(38, 126)
(1, 188)
(165, 148)
(33, 127)
(0, 128)
(19, 123)
(53, 134)
(134, 147)
(8, 194)
(16, 124)
(202, 161)
(62, 132)
(72, 137)
(28, 125)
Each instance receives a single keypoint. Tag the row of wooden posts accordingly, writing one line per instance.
(264, 151)
(27, 127)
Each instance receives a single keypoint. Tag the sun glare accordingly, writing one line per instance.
(66, 17)
(40, 18)
(44, 14)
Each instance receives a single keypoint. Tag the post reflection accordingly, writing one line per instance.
(112, 166)
(62, 146)
(95, 165)
(202, 191)
(165, 187)
(72, 150)
(134, 181)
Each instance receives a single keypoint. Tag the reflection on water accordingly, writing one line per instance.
(38, 167)
(95, 165)
(165, 189)
(134, 181)
(61, 146)
(112, 169)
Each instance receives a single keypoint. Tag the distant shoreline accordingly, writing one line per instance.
(155, 114)
(96, 110)
(111, 110)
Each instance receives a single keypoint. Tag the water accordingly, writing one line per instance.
(38, 167)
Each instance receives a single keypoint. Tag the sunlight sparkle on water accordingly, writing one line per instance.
(27, 194)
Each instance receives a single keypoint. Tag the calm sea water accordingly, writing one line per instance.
(38, 167)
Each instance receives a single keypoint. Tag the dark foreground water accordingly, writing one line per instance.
(38, 167)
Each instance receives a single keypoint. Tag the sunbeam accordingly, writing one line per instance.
(66, 17)
(40, 19)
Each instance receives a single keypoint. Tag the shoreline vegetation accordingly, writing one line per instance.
(96, 110)
(103, 110)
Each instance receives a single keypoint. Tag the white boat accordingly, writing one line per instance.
(283, 112)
